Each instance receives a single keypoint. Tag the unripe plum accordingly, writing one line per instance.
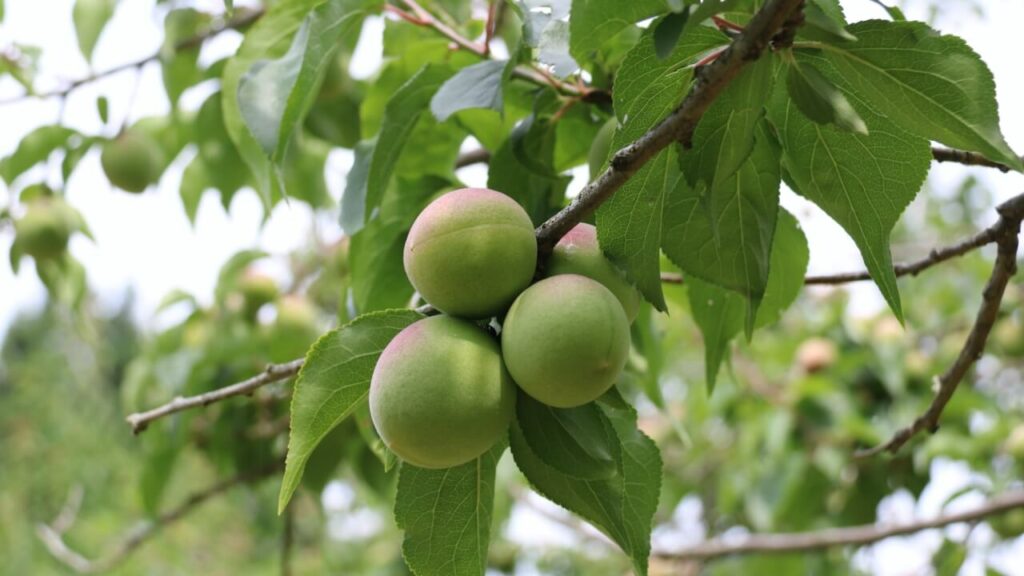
(579, 253)
(440, 395)
(471, 252)
(565, 340)
(44, 230)
(132, 161)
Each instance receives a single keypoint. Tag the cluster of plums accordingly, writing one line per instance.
(443, 391)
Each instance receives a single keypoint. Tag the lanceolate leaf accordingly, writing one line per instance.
(275, 95)
(269, 37)
(334, 381)
(721, 313)
(446, 515)
(725, 136)
(863, 182)
(820, 100)
(476, 86)
(402, 112)
(647, 89)
(594, 21)
(90, 17)
(34, 148)
(621, 505)
(929, 84)
(579, 442)
(722, 233)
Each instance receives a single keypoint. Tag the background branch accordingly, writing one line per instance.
(1007, 230)
(832, 537)
(242, 20)
(964, 157)
(272, 373)
(53, 537)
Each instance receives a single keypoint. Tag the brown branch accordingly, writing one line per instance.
(53, 538)
(834, 537)
(240, 21)
(471, 157)
(1007, 230)
(272, 373)
(964, 157)
(936, 256)
(709, 82)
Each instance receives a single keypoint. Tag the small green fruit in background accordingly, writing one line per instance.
(1008, 525)
(565, 340)
(439, 395)
(257, 289)
(601, 147)
(471, 252)
(579, 253)
(132, 161)
(44, 230)
(1014, 444)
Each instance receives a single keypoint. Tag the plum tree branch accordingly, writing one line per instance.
(1007, 231)
(708, 83)
(272, 373)
(52, 536)
(936, 256)
(833, 537)
(241, 20)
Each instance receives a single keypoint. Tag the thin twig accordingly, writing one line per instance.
(1007, 230)
(834, 537)
(53, 538)
(936, 256)
(964, 157)
(709, 82)
(272, 373)
(478, 156)
(240, 21)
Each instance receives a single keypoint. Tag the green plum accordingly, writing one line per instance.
(132, 161)
(471, 252)
(579, 253)
(440, 395)
(565, 340)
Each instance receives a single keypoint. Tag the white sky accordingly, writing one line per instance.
(145, 242)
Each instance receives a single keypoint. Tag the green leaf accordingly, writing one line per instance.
(90, 17)
(180, 67)
(334, 381)
(721, 313)
(553, 49)
(819, 99)
(536, 185)
(647, 89)
(476, 86)
(401, 114)
(823, 19)
(949, 558)
(353, 199)
(375, 253)
(579, 442)
(594, 21)
(667, 33)
(103, 108)
(864, 182)
(723, 233)
(929, 84)
(34, 148)
(629, 224)
(194, 181)
(275, 95)
(725, 136)
(894, 12)
(621, 506)
(446, 515)
(706, 9)
(269, 37)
